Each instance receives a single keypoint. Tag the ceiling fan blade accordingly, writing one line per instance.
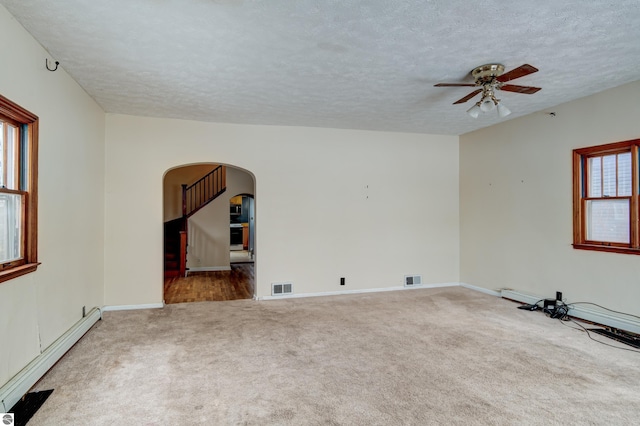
(521, 71)
(527, 90)
(455, 85)
(469, 96)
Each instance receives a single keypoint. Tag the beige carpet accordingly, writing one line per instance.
(417, 357)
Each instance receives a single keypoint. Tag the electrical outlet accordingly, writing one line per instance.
(342, 281)
(84, 311)
(559, 295)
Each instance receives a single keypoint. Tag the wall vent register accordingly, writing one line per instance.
(412, 280)
(279, 289)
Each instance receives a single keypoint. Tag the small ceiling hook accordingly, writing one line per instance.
(46, 63)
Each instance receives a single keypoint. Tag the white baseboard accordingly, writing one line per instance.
(520, 296)
(132, 307)
(481, 289)
(361, 291)
(20, 384)
(209, 269)
(585, 312)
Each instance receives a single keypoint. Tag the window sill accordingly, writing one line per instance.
(611, 249)
(18, 271)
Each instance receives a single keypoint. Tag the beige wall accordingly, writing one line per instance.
(39, 307)
(209, 227)
(516, 203)
(370, 206)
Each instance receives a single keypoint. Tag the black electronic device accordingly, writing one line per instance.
(549, 305)
(528, 307)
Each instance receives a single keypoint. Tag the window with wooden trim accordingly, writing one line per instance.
(605, 197)
(18, 190)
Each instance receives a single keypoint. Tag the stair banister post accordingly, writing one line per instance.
(224, 177)
(184, 199)
(183, 253)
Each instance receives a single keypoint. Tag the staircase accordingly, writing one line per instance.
(194, 197)
(172, 230)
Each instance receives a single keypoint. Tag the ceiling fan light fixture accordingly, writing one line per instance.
(474, 111)
(489, 78)
(487, 104)
(503, 111)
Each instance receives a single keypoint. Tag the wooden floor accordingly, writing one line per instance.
(238, 283)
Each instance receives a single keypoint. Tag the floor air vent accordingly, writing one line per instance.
(279, 289)
(412, 280)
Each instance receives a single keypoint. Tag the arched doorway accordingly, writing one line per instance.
(197, 237)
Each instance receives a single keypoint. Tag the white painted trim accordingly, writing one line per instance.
(208, 269)
(520, 296)
(481, 289)
(361, 291)
(585, 312)
(132, 307)
(20, 384)
(610, 319)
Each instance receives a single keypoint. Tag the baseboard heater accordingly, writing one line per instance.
(584, 312)
(20, 384)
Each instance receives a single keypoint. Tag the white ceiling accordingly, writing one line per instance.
(366, 64)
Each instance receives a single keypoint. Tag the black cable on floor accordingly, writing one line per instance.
(561, 313)
(590, 337)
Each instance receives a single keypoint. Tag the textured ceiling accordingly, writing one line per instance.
(368, 64)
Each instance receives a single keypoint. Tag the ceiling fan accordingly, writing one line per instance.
(490, 78)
